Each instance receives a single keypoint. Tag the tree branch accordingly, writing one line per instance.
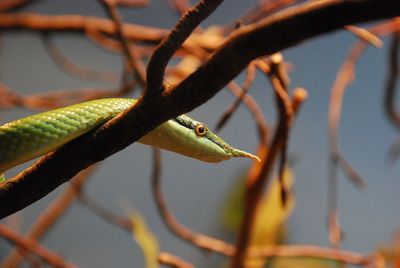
(164, 52)
(277, 32)
(50, 216)
(392, 80)
(131, 53)
(33, 247)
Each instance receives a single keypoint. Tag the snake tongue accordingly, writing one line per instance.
(240, 153)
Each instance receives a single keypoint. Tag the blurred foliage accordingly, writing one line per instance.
(145, 239)
(269, 223)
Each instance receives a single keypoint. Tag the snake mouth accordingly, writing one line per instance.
(240, 153)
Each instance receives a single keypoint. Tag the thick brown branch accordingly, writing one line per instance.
(273, 34)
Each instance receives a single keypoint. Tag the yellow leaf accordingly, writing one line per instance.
(145, 239)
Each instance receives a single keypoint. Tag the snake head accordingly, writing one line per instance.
(189, 137)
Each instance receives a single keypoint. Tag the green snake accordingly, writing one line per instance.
(27, 138)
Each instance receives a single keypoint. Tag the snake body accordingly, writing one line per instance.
(27, 138)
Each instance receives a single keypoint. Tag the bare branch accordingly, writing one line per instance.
(260, 173)
(161, 56)
(365, 35)
(391, 82)
(8, 5)
(35, 248)
(251, 73)
(74, 23)
(173, 261)
(50, 216)
(253, 107)
(200, 240)
(319, 252)
(72, 67)
(131, 53)
(107, 215)
(336, 159)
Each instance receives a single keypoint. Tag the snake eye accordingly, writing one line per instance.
(200, 130)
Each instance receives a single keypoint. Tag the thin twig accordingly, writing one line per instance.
(32, 246)
(394, 151)
(73, 68)
(107, 215)
(318, 252)
(336, 159)
(365, 35)
(161, 56)
(131, 53)
(55, 99)
(279, 75)
(171, 260)
(391, 82)
(63, 97)
(253, 107)
(95, 28)
(8, 97)
(48, 219)
(251, 72)
(131, 3)
(200, 240)
(8, 5)
(265, 8)
(180, 5)
(343, 79)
